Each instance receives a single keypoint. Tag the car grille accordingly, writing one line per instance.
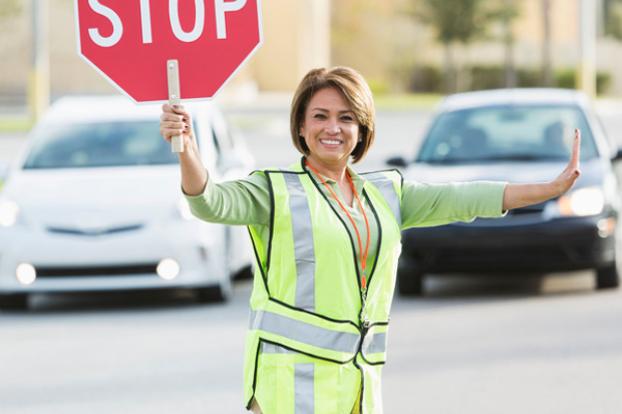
(148, 269)
(534, 209)
(94, 232)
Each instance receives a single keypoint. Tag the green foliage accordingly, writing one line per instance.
(426, 79)
(613, 18)
(429, 78)
(463, 20)
(10, 8)
(378, 86)
(566, 78)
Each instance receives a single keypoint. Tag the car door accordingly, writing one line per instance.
(233, 162)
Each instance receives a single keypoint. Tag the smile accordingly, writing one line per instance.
(331, 141)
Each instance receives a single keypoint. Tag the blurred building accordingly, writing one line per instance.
(380, 38)
(296, 38)
(387, 41)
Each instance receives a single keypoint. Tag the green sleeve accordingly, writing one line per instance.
(426, 205)
(244, 202)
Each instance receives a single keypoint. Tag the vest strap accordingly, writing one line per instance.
(387, 189)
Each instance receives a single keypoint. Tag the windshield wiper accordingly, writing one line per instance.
(523, 157)
(508, 157)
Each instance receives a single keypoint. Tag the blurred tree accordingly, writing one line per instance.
(461, 21)
(9, 8)
(547, 66)
(375, 37)
(613, 18)
(507, 13)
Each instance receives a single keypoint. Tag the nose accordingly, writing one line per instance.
(332, 127)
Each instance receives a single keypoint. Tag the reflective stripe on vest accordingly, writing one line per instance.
(374, 343)
(304, 395)
(303, 243)
(303, 332)
(386, 188)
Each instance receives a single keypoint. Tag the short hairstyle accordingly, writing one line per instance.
(356, 92)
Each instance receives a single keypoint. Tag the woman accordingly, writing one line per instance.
(327, 240)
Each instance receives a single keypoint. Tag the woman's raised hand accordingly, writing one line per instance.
(570, 174)
(176, 121)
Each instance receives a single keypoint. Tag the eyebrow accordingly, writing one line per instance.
(326, 110)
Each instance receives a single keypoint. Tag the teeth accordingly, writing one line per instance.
(330, 141)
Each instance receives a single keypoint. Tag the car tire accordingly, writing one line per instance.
(219, 293)
(607, 277)
(246, 273)
(409, 278)
(212, 294)
(15, 301)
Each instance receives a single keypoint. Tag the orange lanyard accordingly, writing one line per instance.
(362, 252)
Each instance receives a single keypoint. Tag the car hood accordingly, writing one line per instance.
(101, 196)
(592, 172)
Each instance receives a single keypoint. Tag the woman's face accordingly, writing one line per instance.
(330, 128)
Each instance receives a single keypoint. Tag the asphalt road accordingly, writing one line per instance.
(472, 345)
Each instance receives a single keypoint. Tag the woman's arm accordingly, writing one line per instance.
(521, 195)
(175, 120)
(242, 202)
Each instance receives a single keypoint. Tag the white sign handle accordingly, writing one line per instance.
(174, 98)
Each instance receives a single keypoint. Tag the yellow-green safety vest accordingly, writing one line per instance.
(307, 298)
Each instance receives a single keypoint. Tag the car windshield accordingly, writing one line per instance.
(507, 133)
(104, 144)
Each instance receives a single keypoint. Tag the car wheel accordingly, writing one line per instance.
(409, 278)
(246, 273)
(15, 301)
(211, 294)
(607, 277)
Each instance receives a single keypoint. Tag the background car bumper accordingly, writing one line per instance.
(121, 261)
(556, 245)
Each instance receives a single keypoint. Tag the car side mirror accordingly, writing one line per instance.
(618, 156)
(397, 162)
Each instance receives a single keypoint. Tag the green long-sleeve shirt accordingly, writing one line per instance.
(247, 201)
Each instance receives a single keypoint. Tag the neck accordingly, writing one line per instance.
(335, 172)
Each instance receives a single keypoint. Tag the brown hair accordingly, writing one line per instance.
(355, 91)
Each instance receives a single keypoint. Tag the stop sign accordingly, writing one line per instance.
(130, 41)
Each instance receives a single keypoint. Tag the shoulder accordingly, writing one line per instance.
(382, 175)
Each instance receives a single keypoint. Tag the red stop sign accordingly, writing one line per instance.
(130, 41)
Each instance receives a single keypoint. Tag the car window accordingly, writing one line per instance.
(507, 133)
(104, 144)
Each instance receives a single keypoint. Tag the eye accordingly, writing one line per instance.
(347, 118)
(319, 116)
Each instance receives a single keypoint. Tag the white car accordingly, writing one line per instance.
(94, 203)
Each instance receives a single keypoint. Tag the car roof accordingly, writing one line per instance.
(518, 96)
(102, 108)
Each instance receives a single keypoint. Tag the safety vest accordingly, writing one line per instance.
(307, 297)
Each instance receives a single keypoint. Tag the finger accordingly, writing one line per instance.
(170, 117)
(173, 125)
(576, 148)
(179, 109)
(167, 108)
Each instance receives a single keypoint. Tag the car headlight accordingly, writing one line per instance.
(588, 201)
(184, 209)
(9, 211)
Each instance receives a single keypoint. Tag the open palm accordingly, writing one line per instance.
(570, 174)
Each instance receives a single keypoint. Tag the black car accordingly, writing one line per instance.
(520, 135)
